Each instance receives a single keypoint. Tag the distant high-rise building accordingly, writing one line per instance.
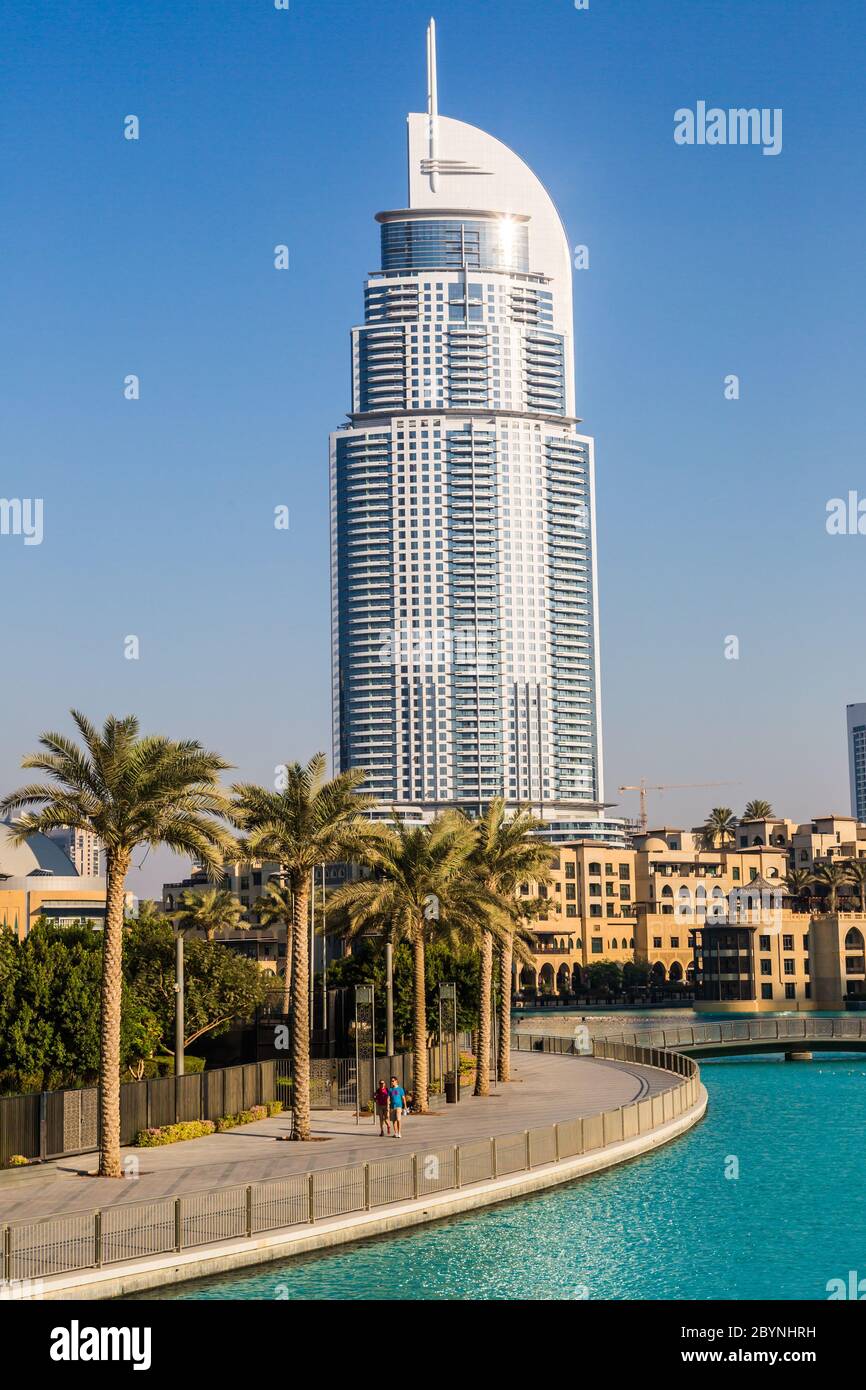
(857, 759)
(465, 617)
(82, 847)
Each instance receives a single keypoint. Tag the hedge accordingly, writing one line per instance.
(197, 1129)
(174, 1134)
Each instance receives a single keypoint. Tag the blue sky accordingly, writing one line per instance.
(261, 127)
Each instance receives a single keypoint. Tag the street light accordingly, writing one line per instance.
(178, 1002)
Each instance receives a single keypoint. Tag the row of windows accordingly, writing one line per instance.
(479, 245)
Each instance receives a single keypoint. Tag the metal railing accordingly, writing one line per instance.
(781, 1030)
(85, 1240)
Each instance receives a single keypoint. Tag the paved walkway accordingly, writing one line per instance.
(546, 1089)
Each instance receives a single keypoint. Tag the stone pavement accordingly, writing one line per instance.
(546, 1089)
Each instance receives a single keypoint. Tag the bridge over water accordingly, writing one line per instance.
(793, 1036)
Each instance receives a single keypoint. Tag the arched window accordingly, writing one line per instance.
(854, 940)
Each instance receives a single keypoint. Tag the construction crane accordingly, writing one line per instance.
(643, 788)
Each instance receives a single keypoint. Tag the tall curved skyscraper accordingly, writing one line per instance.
(465, 626)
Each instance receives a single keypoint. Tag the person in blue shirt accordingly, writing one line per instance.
(398, 1102)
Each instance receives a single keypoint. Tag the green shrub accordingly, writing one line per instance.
(18, 1161)
(174, 1134)
(274, 1107)
(246, 1117)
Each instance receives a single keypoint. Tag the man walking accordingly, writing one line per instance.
(397, 1097)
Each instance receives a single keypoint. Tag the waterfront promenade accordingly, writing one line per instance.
(546, 1090)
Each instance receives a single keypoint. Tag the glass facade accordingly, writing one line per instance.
(857, 759)
(494, 244)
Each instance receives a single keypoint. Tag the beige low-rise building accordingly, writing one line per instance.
(795, 962)
(668, 903)
(590, 916)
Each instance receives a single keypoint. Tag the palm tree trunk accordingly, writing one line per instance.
(287, 981)
(300, 1022)
(506, 955)
(117, 867)
(419, 1022)
(485, 982)
(863, 896)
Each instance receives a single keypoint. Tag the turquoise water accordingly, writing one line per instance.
(668, 1225)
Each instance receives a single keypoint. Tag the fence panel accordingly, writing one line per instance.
(391, 1180)
(133, 1110)
(346, 1083)
(630, 1122)
(280, 1202)
(132, 1231)
(612, 1127)
(55, 1246)
(593, 1132)
(161, 1096)
(283, 1083)
(188, 1101)
(233, 1097)
(250, 1085)
(437, 1171)
(70, 1122)
(476, 1162)
(206, 1217)
(321, 1076)
(542, 1146)
(19, 1127)
(510, 1154)
(268, 1082)
(337, 1191)
(570, 1137)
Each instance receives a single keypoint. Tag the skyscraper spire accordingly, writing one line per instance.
(432, 105)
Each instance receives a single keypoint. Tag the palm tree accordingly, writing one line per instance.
(832, 876)
(128, 791)
(507, 852)
(308, 823)
(856, 873)
(275, 910)
(798, 882)
(422, 886)
(210, 911)
(718, 828)
(758, 810)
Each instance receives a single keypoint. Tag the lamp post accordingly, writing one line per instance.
(389, 995)
(178, 1003)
